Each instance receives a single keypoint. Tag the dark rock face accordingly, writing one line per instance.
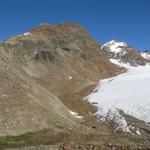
(44, 55)
(133, 58)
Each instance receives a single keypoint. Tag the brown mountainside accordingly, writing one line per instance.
(43, 67)
(44, 74)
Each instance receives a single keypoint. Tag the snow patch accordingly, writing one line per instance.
(70, 77)
(75, 114)
(121, 64)
(138, 132)
(27, 33)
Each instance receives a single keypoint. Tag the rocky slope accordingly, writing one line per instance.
(45, 73)
(42, 73)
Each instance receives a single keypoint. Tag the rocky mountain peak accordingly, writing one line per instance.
(49, 28)
(122, 52)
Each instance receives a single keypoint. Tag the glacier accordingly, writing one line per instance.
(128, 92)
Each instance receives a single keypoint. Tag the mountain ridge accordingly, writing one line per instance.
(45, 73)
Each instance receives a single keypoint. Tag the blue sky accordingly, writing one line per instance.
(124, 20)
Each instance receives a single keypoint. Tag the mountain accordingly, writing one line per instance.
(122, 101)
(45, 74)
(146, 55)
(123, 52)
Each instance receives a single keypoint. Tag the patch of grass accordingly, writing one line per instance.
(28, 139)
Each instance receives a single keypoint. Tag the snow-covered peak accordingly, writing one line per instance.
(122, 52)
(116, 43)
(115, 46)
(146, 55)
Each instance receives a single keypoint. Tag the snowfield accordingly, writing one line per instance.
(129, 92)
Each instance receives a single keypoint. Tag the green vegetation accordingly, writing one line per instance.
(28, 139)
